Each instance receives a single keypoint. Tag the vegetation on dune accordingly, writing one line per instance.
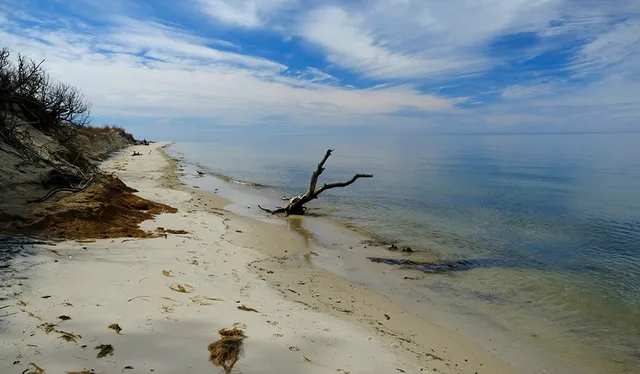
(45, 103)
(30, 97)
(51, 184)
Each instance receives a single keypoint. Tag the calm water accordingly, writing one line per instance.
(558, 216)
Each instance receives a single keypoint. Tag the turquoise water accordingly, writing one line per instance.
(554, 219)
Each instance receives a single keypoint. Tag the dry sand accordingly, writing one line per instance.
(171, 295)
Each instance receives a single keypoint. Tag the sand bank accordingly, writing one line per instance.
(171, 294)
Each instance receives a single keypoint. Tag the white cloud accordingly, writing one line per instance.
(165, 43)
(148, 70)
(413, 39)
(348, 43)
(604, 80)
(520, 91)
(244, 13)
(400, 39)
(616, 51)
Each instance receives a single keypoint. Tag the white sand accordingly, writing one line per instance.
(163, 331)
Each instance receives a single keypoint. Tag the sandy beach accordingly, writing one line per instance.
(207, 269)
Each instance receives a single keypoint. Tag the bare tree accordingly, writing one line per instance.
(296, 204)
(46, 104)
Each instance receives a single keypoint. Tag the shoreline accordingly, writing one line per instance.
(526, 353)
(294, 267)
(222, 262)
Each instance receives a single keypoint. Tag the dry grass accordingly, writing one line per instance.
(104, 350)
(225, 352)
(181, 288)
(203, 300)
(48, 328)
(68, 337)
(91, 131)
(34, 370)
(247, 309)
(33, 315)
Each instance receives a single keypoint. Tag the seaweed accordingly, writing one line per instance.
(225, 351)
(247, 309)
(115, 327)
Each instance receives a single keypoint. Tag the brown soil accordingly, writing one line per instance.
(106, 209)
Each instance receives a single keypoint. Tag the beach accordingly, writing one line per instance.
(159, 302)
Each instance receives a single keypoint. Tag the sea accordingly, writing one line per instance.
(550, 224)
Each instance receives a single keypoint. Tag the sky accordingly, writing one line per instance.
(178, 69)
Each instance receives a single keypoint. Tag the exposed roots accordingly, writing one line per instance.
(106, 208)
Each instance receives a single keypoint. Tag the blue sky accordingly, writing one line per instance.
(177, 67)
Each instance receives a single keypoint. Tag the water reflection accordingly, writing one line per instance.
(558, 212)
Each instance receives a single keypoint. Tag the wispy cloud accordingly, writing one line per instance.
(244, 13)
(152, 70)
(411, 62)
(615, 51)
(419, 39)
(349, 43)
(520, 91)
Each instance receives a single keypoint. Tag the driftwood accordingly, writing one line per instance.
(296, 204)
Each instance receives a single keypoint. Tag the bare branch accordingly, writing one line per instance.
(296, 204)
(328, 186)
(316, 175)
(274, 211)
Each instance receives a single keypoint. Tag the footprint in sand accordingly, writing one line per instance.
(321, 327)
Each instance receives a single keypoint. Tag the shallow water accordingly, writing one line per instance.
(553, 219)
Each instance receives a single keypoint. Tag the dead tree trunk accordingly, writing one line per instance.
(296, 204)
